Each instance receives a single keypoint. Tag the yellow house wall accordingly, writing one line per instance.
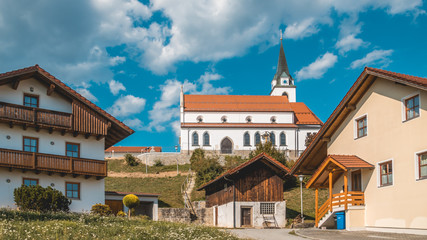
(403, 204)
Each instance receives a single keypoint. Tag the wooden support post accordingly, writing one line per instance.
(316, 207)
(330, 191)
(34, 160)
(345, 189)
(71, 165)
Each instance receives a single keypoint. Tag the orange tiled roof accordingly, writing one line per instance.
(132, 149)
(243, 103)
(404, 77)
(245, 164)
(351, 161)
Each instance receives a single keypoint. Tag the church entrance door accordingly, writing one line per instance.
(226, 146)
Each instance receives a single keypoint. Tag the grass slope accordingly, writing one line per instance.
(119, 165)
(293, 202)
(25, 225)
(169, 188)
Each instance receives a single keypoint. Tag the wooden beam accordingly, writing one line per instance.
(24, 126)
(345, 189)
(50, 89)
(350, 107)
(87, 176)
(37, 128)
(75, 175)
(75, 134)
(330, 191)
(11, 124)
(63, 174)
(87, 135)
(99, 137)
(316, 206)
(50, 130)
(63, 131)
(15, 84)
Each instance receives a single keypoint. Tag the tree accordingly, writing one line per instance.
(233, 161)
(40, 199)
(309, 138)
(206, 168)
(130, 160)
(271, 150)
(131, 201)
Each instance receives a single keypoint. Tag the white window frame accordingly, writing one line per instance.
(417, 165)
(379, 173)
(404, 106)
(355, 126)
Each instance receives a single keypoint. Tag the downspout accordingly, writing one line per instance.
(234, 201)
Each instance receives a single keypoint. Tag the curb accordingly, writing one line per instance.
(304, 236)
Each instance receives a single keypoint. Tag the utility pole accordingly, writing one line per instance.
(301, 177)
(176, 151)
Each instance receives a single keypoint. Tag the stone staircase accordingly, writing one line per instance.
(186, 189)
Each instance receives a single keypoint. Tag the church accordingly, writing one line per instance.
(236, 124)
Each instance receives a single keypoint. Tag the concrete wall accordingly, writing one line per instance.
(91, 190)
(355, 218)
(390, 137)
(225, 214)
(165, 157)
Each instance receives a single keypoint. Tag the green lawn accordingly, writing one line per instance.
(27, 225)
(293, 204)
(119, 165)
(169, 188)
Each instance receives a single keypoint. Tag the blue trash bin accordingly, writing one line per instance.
(340, 220)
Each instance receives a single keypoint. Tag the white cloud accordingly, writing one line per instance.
(134, 123)
(165, 112)
(319, 67)
(127, 105)
(87, 94)
(348, 40)
(116, 87)
(348, 43)
(375, 57)
(114, 61)
(301, 29)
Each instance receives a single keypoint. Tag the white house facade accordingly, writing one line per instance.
(52, 136)
(235, 124)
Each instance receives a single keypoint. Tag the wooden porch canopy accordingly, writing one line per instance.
(335, 165)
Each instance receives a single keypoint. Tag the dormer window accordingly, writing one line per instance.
(199, 119)
(273, 119)
(224, 119)
(248, 119)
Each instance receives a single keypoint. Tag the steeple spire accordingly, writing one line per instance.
(282, 65)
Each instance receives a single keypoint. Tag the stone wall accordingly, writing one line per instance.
(167, 158)
(175, 215)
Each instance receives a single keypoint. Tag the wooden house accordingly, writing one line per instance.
(249, 195)
(371, 155)
(50, 135)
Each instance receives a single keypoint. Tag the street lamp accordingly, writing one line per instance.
(176, 151)
(301, 177)
(146, 166)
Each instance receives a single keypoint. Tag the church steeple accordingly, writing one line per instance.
(283, 83)
(282, 65)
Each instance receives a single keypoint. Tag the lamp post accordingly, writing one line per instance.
(176, 151)
(301, 177)
(146, 166)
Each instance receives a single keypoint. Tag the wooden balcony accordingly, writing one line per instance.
(352, 198)
(44, 118)
(52, 163)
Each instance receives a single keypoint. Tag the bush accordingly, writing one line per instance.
(101, 209)
(206, 168)
(121, 214)
(131, 201)
(158, 163)
(271, 150)
(233, 161)
(40, 199)
(130, 160)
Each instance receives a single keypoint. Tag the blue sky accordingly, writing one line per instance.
(131, 57)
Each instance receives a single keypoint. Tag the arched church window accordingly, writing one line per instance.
(282, 139)
(273, 138)
(285, 94)
(195, 139)
(206, 141)
(273, 119)
(224, 119)
(199, 119)
(257, 138)
(248, 119)
(246, 139)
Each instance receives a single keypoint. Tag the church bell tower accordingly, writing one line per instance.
(283, 83)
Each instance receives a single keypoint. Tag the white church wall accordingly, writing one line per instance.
(53, 102)
(290, 91)
(239, 117)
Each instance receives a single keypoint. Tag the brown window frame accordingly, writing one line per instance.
(71, 143)
(31, 179)
(388, 173)
(414, 107)
(31, 96)
(419, 165)
(78, 190)
(33, 138)
(365, 126)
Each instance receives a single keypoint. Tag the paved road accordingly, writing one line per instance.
(265, 234)
(355, 235)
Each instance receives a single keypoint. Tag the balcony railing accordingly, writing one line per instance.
(52, 163)
(353, 198)
(36, 116)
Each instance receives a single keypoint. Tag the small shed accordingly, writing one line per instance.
(149, 203)
(249, 195)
